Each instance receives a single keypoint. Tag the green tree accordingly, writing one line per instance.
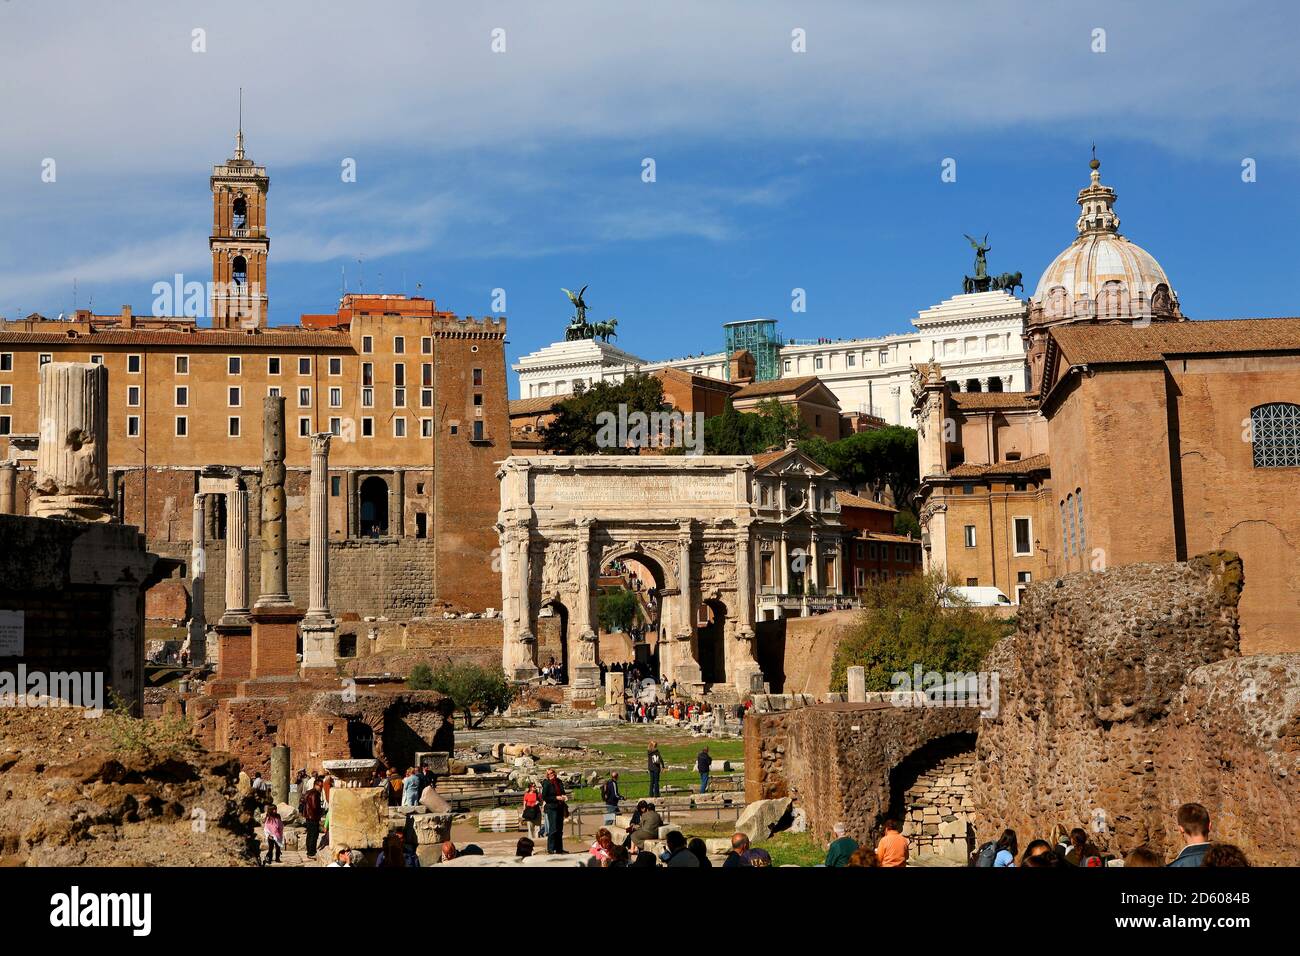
(576, 424)
(905, 624)
(769, 426)
(420, 678)
(617, 610)
(473, 687)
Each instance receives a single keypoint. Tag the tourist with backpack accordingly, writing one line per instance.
(1007, 849)
(655, 764)
(703, 764)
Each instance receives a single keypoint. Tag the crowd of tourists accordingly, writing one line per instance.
(1074, 847)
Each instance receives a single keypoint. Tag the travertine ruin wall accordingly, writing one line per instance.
(936, 814)
(1122, 696)
(839, 760)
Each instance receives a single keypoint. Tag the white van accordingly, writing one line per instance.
(976, 597)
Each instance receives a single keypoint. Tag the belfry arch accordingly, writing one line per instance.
(686, 520)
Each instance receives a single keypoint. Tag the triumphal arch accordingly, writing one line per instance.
(685, 523)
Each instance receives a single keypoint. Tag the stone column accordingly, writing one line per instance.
(519, 653)
(274, 564)
(585, 671)
(198, 575)
(319, 630)
(72, 455)
(814, 564)
(280, 774)
(857, 677)
(236, 558)
(743, 664)
(8, 487)
(785, 564)
(686, 667)
(275, 619)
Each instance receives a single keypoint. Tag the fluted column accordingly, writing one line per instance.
(198, 575)
(742, 664)
(585, 673)
(319, 629)
(519, 652)
(686, 667)
(236, 556)
(8, 487)
(72, 455)
(318, 605)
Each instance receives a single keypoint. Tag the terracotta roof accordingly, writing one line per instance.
(199, 339)
(534, 406)
(766, 458)
(778, 386)
(1127, 344)
(1022, 467)
(847, 500)
(979, 400)
(883, 536)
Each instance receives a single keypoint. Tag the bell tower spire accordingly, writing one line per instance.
(239, 242)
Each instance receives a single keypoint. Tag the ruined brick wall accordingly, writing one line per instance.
(839, 761)
(937, 806)
(1122, 696)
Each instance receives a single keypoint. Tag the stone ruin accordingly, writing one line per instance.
(1123, 697)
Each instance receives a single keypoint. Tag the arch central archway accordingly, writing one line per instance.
(644, 577)
(710, 649)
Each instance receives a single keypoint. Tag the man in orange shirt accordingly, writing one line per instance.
(893, 846)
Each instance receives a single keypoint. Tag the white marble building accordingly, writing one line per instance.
(977, 338)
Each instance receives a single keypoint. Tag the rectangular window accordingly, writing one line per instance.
(97, 360)
(133, 396)
(399, 345)
(817, 363)
(426, 427)
(972, 582)
(426, 398)
(399, 427)
(273, 365)
(182, 426)
(336, 426)
(304, 398)
(304, 366)
(478, 399)
(182, 365)
(336, 366)
(787, 365)
(45, 358)
(132, 426)
(968, 489)
(233, 396)
(850, 360)
(426, 345)
(273, 391)
(367, 427)
(304, 427)
(478, 431)
(399, 374)
(860, 551)
(133, 364)
(969, 532)
(6, 361)
(335, 486)
(232, 426)
(6, 423)
(367, 398)
(426, 375)
(478, 378)
(367, 344)
(768, 570)
(367, 374)
(455, 428)
(336, 397)
(234, 365)
(399, 398)
(1024, 539)
(6, 394)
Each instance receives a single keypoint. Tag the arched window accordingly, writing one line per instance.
(1275, 435)
(240, 213)
(1065, 532)
(1078, 507)
(239, 270)
(973, 385)
(995, 384)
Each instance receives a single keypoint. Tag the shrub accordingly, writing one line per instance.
(472, 687)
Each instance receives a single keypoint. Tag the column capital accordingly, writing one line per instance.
(320, 443)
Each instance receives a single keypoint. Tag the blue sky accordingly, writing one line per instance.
(775, 170)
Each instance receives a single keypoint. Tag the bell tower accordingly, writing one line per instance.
(239, 242)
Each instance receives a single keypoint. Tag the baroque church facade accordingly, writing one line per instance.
(1143, 436)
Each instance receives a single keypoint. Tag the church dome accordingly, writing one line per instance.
(1101, 275)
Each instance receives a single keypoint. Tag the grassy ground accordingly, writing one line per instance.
(799, 849)
(635, 785)
(679, 752)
